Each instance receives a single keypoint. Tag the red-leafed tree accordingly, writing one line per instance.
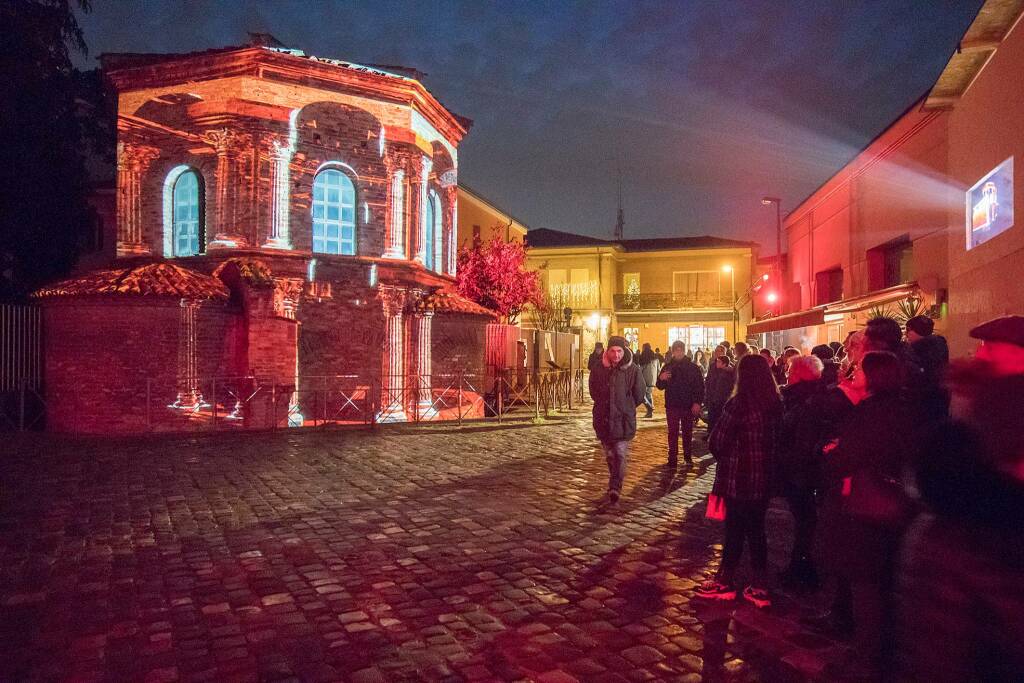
(494, 275)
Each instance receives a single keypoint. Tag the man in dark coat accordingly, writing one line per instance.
(594, 360)
(963, 561)
(683, 384)
(617, 388)
(931, 352)
(829, 366)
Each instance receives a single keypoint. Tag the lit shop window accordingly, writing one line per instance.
(186, 214)
(990, 205)
(334, 213)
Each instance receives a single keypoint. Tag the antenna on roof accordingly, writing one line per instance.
(620, 221)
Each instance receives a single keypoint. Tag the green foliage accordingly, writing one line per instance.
(880, 312)
(49, 115)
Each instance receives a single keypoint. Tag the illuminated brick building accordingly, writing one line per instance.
(280, 216)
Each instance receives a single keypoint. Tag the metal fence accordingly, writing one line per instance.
(21, 367)
(245, 403)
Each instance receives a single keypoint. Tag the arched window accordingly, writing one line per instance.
(433, 238)
(334, 213)
(187, 214)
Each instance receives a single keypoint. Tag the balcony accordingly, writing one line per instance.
(672, 301)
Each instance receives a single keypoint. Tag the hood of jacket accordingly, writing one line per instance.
(627, 359)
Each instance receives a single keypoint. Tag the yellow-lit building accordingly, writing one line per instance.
(480, 219)
(693, 289)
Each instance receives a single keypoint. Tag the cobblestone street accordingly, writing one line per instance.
(411, 553)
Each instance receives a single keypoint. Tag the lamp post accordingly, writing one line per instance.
(778, 229)
(732, 286)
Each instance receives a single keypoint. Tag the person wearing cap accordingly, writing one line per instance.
(931, 352)
(683, 384)
(616, 388)
(963, 561)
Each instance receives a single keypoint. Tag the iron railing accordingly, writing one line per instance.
(665, 301)
(245, 403)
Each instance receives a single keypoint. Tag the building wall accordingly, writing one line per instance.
(985, 129)
(894, 189)
(480, 218)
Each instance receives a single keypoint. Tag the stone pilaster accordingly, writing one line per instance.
(420, 215)
(190, 397)
(394, 243)
(280, 197)
(228, 145)
(132, 163)
(425, 396)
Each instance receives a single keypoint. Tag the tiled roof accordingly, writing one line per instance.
(545, 237)
(152, 279)
(445, 300)
(254, 271)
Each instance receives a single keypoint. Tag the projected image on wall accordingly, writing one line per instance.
(990, 205)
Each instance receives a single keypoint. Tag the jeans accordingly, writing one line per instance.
(744, 520)
(616, 454)
(649, 399)
(679, 419)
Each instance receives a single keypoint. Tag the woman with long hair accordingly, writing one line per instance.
(743, 443)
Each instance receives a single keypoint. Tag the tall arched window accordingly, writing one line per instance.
(334, 213)
(429, 231)
(187, 214)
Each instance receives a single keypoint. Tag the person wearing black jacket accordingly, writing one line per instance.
(800, 440)
(594, 360)
(683, 384)
(617, 388)
(718, 387)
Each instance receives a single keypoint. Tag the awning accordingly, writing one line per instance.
(879, 297)
(814, 316)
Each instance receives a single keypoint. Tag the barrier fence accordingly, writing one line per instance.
(243, 403)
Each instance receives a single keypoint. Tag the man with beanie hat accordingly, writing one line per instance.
(616, 388)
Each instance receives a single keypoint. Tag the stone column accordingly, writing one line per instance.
(425, 394)
(421, 210)
(132, 162)
(280, 197)
(190, 397)
(228, 144)
(393, 377)
(395, 237)
(450, 221)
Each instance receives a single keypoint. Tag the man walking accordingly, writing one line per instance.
(617, 388)
(683, 384)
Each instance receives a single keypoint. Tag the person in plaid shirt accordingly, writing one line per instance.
(744, 445)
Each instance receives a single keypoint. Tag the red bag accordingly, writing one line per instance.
(716, 508)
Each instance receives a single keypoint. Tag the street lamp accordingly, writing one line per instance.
(735, 313)
(778, 228)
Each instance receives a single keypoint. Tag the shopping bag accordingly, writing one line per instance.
(716, 508)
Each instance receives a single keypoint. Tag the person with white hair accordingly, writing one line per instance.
(799, 439)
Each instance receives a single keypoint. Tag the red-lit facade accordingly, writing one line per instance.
(305, 210)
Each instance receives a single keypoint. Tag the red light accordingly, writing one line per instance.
(765, 277)
(771, 297)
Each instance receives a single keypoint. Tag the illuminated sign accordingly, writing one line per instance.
(990, 205)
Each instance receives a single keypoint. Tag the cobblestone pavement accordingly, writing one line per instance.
(407, 554)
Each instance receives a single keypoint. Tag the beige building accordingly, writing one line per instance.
(693, 289)
(480, 219)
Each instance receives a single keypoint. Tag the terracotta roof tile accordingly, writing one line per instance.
(151, 279)
(445, 300)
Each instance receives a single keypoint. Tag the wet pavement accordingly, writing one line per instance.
(410, 553)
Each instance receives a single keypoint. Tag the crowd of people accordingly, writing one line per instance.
(903, 472)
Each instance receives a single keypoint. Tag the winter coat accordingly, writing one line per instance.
(744, 443)
(718, 386)
(686, 385)
(876, 447)
(962, 567)
(616, 392)
(651, 370)
(932, 354)
(594, 360)
(830, 372)
(801, 436)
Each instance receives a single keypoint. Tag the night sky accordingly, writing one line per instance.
(705, 106)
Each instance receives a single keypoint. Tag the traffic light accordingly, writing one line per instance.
(769, 299)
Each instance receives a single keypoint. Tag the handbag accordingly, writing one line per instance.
(716, 508)
(876, 499)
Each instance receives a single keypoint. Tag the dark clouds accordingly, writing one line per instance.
(705, 106)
